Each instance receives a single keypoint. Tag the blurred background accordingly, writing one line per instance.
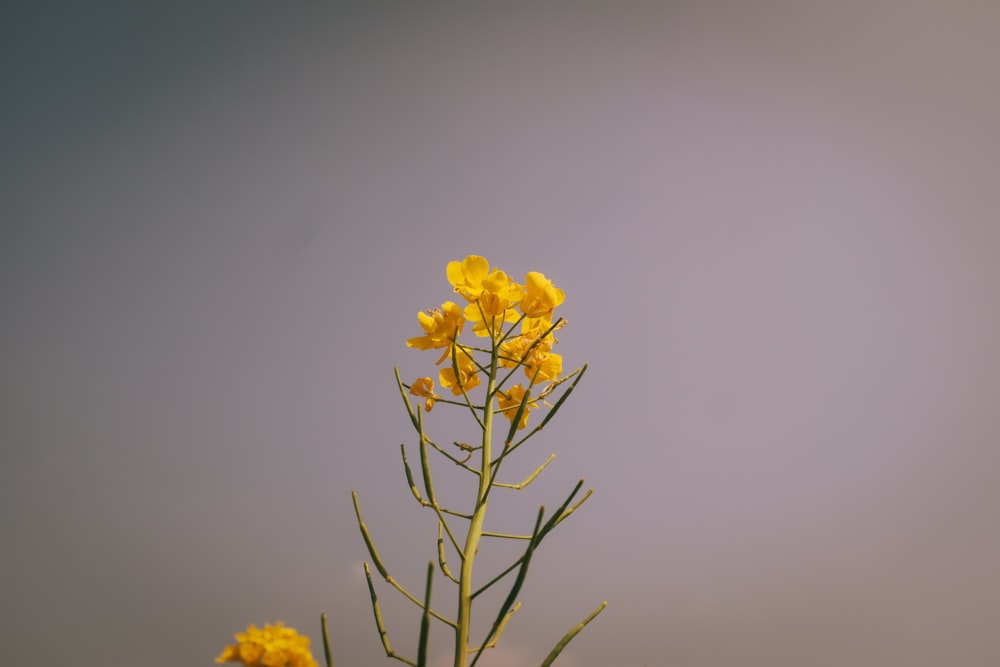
(777, 227)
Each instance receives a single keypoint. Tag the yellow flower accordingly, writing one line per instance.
(512, 350)
(510, 400)
(494, 305)
(490, 322)
(532, 359)
(503, 287)
(533, 356)
(536, 326)
(547, 365)
(541, 296)
(467, 375)
(441, 327)
(467, 276)
(272, 646)
(424, 388)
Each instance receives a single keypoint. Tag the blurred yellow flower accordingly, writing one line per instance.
(541, 296)
(272, 646)
(509, 402)
(424, 388)
(441, 327)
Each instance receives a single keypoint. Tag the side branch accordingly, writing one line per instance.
(406, 400)
(572, 633)
(499, 631)
(383, 634)
(509, 448)
(442, 561)
(425, 466)
(562, 513)
(326, 640)
(529, 479)
(425, 619)
(461, 385)
(373, 552)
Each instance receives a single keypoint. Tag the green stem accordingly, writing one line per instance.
(464, 620)
(568, 637)
(326, 640)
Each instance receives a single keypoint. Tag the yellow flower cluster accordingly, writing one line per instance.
(494, 300)
(270, 646)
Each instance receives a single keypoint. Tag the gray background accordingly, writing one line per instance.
(776, 224)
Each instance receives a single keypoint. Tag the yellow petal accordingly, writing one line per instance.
(467, 276)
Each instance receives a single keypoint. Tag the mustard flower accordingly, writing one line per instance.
(513, 350)
(548, 366)
(467, 276)
(541, 296)
(271, 646)
(424, 388)
(495, 304)
(468, 377)
(503, 286)
(532, 354)
(536, 326)
(494, 315)
(510, 400)
(441, 327)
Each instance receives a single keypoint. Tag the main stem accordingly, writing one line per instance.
(476, 525)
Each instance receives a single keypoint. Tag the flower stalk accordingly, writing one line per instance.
(518, 324)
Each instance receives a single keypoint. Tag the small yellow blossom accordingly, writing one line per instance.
(536, 326)
(424, 388)
(503, 287)
(272, 646)
(548, 366)
(532, 353)
(494, 305)
(510, 400)
(512, 350)
(468, 377)
(441, 327)
(532, 359)
(541, 296)
(492, 318)
(467, 276)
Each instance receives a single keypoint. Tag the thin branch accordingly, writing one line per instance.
(500, 628)
(383, 634)
(425, 619)
(555, 408)
(461, 385)
(572, 633)
(529, 479)
(381, 567)
(425, 466)
(441, 557)
(406, 399)
(326, 641)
